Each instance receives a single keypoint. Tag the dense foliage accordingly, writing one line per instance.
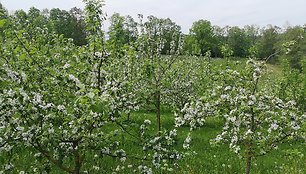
(68, 90)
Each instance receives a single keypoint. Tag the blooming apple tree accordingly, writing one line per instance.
(256, 121)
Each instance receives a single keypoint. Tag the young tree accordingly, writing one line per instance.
(155, 66)
(293, 40)
(256, 121)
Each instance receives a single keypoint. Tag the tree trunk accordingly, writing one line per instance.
(129, 116)
(157, 107)
(77, 159)
(248, 158)
(249, 146)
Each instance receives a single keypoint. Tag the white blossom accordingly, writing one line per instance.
(67, 65)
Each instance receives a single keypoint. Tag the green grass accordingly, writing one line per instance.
(208, 159)
(219, 159)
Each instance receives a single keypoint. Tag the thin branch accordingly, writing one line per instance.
(51, 159)
(125, 130)
(28, 52)
(272, 55)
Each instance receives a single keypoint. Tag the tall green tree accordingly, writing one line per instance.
(3, 12)
(68, 23)
(36, 19)
(21, 17)
(166, 29)
(122, 32)
(203, 36)
(130, 26)
(78, 26)
(117, 35)
(220, 35)
(252, 33)
(238, 41)
(190, 46)
(267, 42)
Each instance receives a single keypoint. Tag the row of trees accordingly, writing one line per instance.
(249, 41)
(70, 23)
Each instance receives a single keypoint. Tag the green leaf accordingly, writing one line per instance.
(83, 100)
(2, 23)
(100, 107)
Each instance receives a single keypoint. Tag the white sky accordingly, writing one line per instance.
(185, 12)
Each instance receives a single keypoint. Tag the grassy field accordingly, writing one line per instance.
(288, 158)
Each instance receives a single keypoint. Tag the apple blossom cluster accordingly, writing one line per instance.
(259, 118)
(161, 151)
(180, 88)
(194, 114)
(159, 154)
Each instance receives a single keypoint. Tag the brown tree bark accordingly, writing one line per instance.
(157, 107)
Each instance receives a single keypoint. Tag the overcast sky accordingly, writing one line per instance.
(185, 12)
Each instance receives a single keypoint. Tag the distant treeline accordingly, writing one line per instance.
(270, 42)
